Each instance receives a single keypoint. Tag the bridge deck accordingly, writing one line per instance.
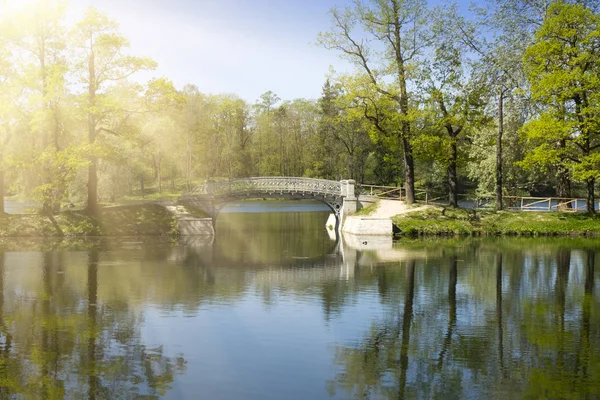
(270, 185)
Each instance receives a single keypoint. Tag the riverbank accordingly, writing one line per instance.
(437, 221)
(134, 220)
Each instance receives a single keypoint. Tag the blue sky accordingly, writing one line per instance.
(229, 46)
(244, 47)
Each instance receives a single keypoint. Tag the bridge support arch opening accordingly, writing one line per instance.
(211, 197)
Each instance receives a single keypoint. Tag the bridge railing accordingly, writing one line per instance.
(273, 184)
(391, 192)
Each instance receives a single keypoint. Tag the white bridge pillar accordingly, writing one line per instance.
(350, 205)
(349, 202)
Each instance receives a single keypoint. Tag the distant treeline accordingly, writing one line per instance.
(501, 100)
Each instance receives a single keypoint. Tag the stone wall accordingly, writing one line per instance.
(364, 225)
(189, 226)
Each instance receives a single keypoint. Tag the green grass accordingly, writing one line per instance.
(368, 210)
(134, 220)
(465, 222)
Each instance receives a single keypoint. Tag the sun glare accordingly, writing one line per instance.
(15, 5)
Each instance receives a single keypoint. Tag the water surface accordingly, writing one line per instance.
(273, 308)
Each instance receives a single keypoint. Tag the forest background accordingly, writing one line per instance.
(504, 100)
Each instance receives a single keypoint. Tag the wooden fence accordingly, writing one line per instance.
(516, 203)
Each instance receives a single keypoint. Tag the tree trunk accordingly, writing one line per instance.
(563, 265)
(409, 171)
(350, 166)
(452, 176)
(406, 323)
(452, 280)
(409, 165)
(92, 286)
(499, 310)
(590, 201)
(92, 195)
(563, 180)
(188, 170)
(499, 205)
(589, 274)
(585, 349)
(142, 185)
(173, 172)
(159, 172)
(2, 211)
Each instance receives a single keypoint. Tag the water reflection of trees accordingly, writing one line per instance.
(530, 332)
(465, 319)
(63, 341)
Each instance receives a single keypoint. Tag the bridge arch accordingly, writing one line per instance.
(212, 196)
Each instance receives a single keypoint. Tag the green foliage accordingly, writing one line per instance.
(59, 169)
(422, 94)
(562, 68)
(466, 222)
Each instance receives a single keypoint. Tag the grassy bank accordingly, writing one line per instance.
(436, 221)
(368, 210)
(135, 220)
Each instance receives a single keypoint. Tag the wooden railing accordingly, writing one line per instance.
(515, 203)
(389, 192)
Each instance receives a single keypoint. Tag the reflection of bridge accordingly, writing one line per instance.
(213, 195)
(339, 261)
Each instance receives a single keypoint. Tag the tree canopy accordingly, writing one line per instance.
(497, 102)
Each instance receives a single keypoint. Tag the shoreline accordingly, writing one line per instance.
(127, 220)
(156, 220)
(437, 221)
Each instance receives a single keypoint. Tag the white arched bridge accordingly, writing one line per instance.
(210, 197)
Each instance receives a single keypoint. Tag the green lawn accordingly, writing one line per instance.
(436, 221)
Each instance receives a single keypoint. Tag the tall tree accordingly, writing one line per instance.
(324, 165)
(456, 93)
(39, 46)
(103, 60)
(398, 29)
(5, 112)
(562, 68)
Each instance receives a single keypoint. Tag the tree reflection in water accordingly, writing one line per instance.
(536, 344)
(59, 341)
(451, 319)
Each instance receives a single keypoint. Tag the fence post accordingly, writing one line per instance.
(521, 204)
(426, 197)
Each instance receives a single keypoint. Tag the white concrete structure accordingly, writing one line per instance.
(189, 225)
(365, 225)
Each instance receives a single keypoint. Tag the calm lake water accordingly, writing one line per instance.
(273, 308)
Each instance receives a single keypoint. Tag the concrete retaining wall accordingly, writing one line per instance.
(359, 225)
(195, 226)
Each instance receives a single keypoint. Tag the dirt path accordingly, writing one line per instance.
(389, 208)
